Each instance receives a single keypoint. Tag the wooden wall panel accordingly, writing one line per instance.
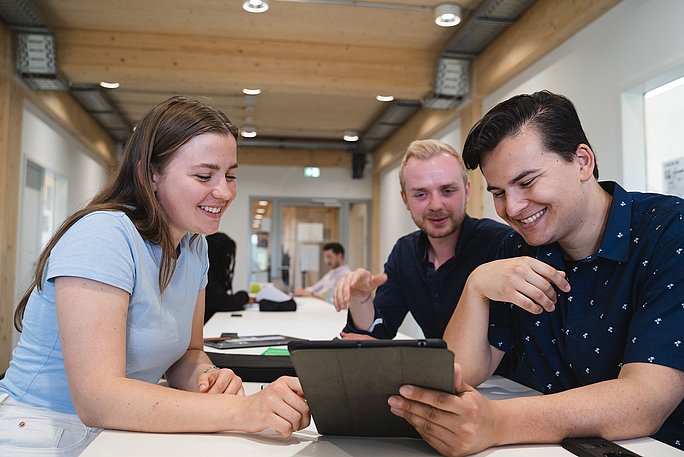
(11, 109)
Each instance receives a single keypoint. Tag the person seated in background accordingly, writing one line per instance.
(117, 302)
(333, 256)
(427, 269)
(219, 294)
(589, 289)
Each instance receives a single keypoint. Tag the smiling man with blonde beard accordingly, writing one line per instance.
(427, 269)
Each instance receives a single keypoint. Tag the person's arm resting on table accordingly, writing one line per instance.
(92, 322)
(634, 405)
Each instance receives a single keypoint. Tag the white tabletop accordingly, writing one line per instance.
(314, 319)
(308, 443)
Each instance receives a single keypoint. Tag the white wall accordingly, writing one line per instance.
(632, 43)
(664, 136)
(51, 147)
(273, 181)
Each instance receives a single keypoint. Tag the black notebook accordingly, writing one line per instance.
(347, 383)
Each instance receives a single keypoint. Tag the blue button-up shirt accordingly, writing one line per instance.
(430, 295)
(626, 303)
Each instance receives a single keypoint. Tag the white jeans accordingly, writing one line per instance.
(31, 430)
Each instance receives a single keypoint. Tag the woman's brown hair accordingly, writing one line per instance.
(151, 147)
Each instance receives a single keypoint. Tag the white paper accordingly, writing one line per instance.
(271, 292)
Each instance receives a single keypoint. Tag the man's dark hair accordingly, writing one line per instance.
(335, 247)
(553, 116)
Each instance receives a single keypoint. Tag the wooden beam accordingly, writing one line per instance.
(546, 25)
(470, 114)
(200, 64)
(541, 29)
(11, 115)
(422, 125)
(295, 157)
(376, 262)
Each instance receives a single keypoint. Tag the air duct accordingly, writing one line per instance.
(452, 84)
(36, 61)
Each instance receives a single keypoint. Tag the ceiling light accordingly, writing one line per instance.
(350, 135)
(447, 15)
(255, 6)
(263, 202)
(108, 85)
(258, 216)
(384, 98)
(247, 91)
(260, 210)
(248, 131)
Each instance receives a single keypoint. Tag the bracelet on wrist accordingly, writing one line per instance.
(213, 367)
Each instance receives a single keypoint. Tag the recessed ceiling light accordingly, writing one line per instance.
(447, 15)
(247, 91)
(255, 6)
(350, 136)
(108, 85)
(384, 98)
(248, 131)
(260, 210)
(263, 202)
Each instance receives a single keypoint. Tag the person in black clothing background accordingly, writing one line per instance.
(219, 291)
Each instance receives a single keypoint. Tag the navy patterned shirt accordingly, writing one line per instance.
(626, 303)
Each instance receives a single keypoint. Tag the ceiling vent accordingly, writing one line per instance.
(452, 84)
(37, 61)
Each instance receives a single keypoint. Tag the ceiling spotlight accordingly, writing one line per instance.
(263, 202)
(350, 135)
(255, 6)
(447, 14)
(384, 98)
(108, 85)
(248, 131)
(247, 91)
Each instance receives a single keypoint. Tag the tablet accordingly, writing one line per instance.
(347, 383)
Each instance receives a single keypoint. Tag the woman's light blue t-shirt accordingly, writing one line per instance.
(105, 246)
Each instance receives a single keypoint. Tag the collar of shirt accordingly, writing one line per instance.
(615, 240)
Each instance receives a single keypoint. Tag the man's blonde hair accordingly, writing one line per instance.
(426, 150)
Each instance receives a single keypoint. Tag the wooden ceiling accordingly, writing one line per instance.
(319, 66)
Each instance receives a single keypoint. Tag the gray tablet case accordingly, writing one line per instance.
(347, 383)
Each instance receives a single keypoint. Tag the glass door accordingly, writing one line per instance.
(288, 236)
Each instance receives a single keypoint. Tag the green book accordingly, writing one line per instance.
(276, 351)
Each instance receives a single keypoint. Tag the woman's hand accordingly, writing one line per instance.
(280, 406)
(220, 381)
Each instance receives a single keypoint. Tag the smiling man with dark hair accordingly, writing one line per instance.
(589, 290)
